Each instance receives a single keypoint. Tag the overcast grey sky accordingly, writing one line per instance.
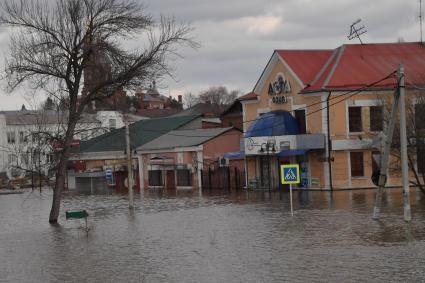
(239, 36)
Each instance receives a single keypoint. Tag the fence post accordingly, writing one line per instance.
(236, 178)
(202, 178)
(228, 179)
(209, 177)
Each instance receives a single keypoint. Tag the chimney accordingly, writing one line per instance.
(179, 97)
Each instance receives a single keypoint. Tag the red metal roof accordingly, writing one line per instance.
(248, 96)
(305, 63)
(357, 66)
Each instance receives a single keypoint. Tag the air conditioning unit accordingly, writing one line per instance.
(223, 162)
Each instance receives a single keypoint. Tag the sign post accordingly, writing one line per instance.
(290, 174)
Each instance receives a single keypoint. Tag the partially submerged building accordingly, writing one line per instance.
(324, 110)
(177, 158)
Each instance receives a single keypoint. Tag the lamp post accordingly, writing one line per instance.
(268, 148)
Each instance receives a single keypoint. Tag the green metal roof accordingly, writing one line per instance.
(183, 138)
(141, 132)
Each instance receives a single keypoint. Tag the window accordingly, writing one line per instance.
(155, 178)
(24, 158)
(376, 118)
(300, 117)
(355, 119)
(112, 123)
(36, 137)
(356, 161)
(184, 178)
(10, 137)
(35, 158)
(21, 137)
(12, 158)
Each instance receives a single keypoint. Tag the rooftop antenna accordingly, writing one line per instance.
(356, 32)
(420, 17)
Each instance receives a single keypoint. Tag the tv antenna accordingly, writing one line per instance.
(420, 17)
(356, 32)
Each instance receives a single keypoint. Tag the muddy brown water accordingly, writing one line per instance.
(217, 237)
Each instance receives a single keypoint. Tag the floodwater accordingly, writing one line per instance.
(216, 237)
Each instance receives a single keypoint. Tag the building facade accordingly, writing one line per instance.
(27, 136)
(336, 101)
(176, 160)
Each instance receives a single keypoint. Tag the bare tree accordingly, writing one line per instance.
(415, 130)
(189, 99)
(53, 43)
(218, 95)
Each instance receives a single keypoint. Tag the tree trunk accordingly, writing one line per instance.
(61, 172)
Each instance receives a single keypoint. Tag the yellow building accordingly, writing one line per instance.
(324, 109)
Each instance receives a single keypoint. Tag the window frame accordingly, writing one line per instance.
(357, 172)
(151, 179)
(112, 123)
(302, 127)
(187, 178)
(11, 137)
(352, 128)
(374, 125)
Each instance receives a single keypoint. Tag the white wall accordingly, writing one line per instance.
(105, 116)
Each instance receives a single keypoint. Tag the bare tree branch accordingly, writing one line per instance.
(53, 44)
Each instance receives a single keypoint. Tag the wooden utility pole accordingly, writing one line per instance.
(399, 102)
(129, 167)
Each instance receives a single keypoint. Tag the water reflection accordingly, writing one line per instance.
(181, 236)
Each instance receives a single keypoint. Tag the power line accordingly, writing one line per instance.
(352, 92)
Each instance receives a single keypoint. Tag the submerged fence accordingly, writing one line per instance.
(225, 178)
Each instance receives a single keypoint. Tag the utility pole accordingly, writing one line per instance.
(403, 146)
(385, 157)
(399, 103)
(129, 167)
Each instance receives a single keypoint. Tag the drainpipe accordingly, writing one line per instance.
(329, 142)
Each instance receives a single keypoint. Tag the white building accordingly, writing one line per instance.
(27, 137)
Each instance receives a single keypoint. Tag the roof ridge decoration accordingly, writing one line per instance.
(341, 50)
(323, 69)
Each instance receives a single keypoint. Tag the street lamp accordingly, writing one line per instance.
(268, 148)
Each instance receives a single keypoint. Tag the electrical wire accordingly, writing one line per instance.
(344, 97)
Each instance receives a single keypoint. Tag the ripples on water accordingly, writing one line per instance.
(242, 237)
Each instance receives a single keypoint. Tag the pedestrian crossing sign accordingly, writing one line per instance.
(290, 173)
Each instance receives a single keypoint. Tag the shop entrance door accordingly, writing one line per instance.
(265, 171)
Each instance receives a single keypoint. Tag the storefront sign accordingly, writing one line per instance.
(253, 144)
(278, 88)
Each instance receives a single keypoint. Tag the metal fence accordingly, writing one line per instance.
(224, 178)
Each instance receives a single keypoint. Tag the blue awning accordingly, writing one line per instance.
(274, 123)
(238, 154)
(291, 152)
